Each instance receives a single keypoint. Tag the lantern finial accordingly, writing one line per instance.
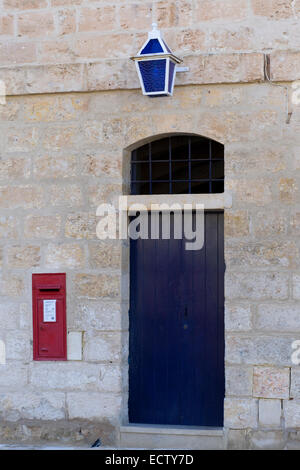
(155, 33)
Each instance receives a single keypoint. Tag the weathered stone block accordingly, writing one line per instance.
(268, 224)
(184, 10)
(14, 78)
(71, 432)
(55, 166)
(235, 38)
(237, 439)
(288, 190)
(23, 256)
(71, 376)
(60, 3)
(259, 350)
(13, 375)
(58, 138)
(9, 315)
(273, 9)
(118, 73)
(8, 226)
(12, 53)
(27, 197)
(136, 16)
(256, 191)
(98, 19)
(24, 4)
(21, 139)
(74, 345)
(240, 413)
(276, 317)
(14, 168)
(271, 382)
(296, 286)
(272, 253)
(257, 286)
(55, 108)
(269, 412)
(59, 50)
(68, 195)
(35, 24)
(62, 78)
(224, 68)
(295, 222)
(32, 405)
(99, 315)
(64, 255)
(238, 380)
(238, 317)
(111, 46)
(26, 316)
(18, 345)
(81, 225)
(166, 14)
(102, 347)
(100, 165)
(186, 41)
(266, 440)
(10, 110)
(236, 224)
(66, 21)
(242, 160)
(291, 411)
(95, 406)
(37, 226)
(11, 285)
(96, 286)
(105, 254)
(295, 383)
(210, 10)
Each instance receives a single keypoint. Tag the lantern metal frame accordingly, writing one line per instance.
(166, 54)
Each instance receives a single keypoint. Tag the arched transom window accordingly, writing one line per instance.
(179, 164)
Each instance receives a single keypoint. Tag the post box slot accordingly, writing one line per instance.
(52, 288)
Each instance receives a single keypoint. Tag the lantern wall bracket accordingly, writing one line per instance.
(182, 69)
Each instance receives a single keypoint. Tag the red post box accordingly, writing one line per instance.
(49, 317)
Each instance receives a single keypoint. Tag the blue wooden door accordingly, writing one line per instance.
(176, 356)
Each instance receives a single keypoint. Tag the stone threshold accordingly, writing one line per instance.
(171, 430)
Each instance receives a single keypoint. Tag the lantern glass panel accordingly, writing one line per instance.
(152, 47)
(153, 74)
(171, 76)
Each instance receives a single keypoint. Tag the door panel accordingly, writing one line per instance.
(176, 357)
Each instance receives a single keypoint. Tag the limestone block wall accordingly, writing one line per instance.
(61, 156)
(74, 31)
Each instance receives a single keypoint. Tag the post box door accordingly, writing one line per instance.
(51, 332)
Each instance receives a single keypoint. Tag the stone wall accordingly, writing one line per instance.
(82, 45)
(73, 107)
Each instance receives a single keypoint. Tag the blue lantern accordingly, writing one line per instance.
(156, 66)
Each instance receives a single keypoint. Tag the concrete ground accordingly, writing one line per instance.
(54, 446)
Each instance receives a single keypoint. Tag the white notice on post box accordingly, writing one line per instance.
(49, 310)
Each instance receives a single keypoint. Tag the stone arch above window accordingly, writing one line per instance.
(178, 164)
